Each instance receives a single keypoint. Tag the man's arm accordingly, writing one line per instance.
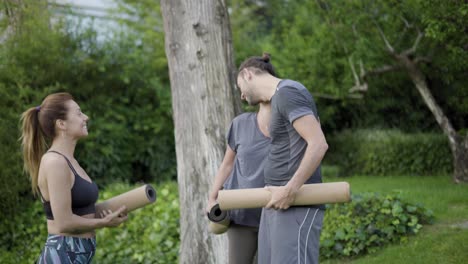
(309, 129)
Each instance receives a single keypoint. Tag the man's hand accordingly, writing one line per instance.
(281, 197)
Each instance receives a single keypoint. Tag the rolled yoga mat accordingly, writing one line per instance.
(309, 194)
(133, 199)
(219, 220)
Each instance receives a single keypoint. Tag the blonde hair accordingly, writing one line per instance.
(38, 126)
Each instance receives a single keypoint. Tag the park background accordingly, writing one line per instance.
(385, 138)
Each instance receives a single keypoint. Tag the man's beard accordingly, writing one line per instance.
(252, 101)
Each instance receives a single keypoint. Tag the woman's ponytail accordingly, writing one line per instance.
(33, 143)
(38, 125)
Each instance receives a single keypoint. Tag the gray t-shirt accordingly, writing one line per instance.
(290, 102)
(251, 146)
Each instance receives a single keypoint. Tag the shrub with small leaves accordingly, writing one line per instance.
(368, 222)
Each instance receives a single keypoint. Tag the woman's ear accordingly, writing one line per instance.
(60, 124)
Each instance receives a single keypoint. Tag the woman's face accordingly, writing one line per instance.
(76, 123)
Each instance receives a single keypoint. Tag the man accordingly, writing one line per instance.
(287, 234)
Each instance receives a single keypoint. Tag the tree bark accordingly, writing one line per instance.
(458, 144)
(204, 100)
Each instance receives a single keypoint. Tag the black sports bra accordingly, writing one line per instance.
(84, 195)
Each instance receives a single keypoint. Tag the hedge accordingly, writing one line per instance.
(389, 152)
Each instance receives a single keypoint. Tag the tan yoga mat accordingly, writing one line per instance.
(309, 194)
(133, 199)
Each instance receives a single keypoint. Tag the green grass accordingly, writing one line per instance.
(442, 242)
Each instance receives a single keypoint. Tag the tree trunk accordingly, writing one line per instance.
(199, 52)
(460, 160)
(11, 12)
(14, 12)
(458, 144)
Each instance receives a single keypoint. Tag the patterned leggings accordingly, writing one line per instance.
(67, 250)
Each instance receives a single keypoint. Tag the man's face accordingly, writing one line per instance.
(244, 82)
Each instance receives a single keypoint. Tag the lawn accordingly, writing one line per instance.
(446, 241)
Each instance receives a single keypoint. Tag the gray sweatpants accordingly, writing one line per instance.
(290, 236)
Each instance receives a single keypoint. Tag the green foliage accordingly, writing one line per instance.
(316, 42)
(121, 83)
(369, 222)
(445, 24)
(249, 27)
(12, 182)
(150, 235)
(24, 233)
(389, 153)
(15, 97)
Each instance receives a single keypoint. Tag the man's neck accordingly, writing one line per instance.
(269, 84)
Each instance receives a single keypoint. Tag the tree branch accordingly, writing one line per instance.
(361, 88)
(407, 24)
(383, 69)
(351, 64)
(358, 87)
(382, 34)
(363, 71)
(415, 45)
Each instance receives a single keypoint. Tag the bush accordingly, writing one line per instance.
(368, 222)
(151, 234)
(12, 182)
(23, 234)
(374, 152)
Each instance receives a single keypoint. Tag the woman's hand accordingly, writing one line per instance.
(114, 219)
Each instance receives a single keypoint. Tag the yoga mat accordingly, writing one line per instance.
(309, 194)
(219, 220)
(216, 214)
(132, 199)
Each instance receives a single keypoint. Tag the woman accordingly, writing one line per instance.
(67, 192)
(242, 167)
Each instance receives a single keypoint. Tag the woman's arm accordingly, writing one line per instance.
(223, 173)
(59, 184)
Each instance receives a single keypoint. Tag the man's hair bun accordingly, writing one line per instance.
(266, 57)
